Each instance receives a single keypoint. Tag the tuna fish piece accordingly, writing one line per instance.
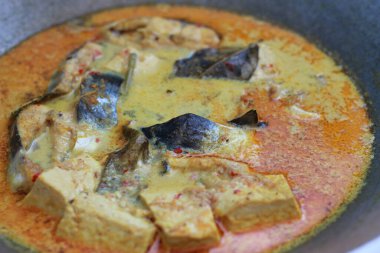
(124, 159)
(188, 131)
(99, 95)
(228, 63)
(157, 31)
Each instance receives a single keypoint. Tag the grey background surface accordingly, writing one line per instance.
(349, 29)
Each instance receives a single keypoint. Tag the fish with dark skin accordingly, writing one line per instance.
(54, 90)
(188, 131)
(33, 127)
(123, 159)
(99, 95)
(15, 143)
(72, 70)
(24, 131)
(26, 125)
(229, 63)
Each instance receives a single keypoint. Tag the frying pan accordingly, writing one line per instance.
(349, 30)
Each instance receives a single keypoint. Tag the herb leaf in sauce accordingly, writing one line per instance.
(129, 76)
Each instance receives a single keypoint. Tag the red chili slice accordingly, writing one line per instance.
(177, 150)
(35, 176)
(233, 173)
(178, 196)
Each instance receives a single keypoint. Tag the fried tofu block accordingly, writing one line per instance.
(99, 222)
(184, 216)
(207, 164)
(56, 188)
(242, 199)
(248, 202)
